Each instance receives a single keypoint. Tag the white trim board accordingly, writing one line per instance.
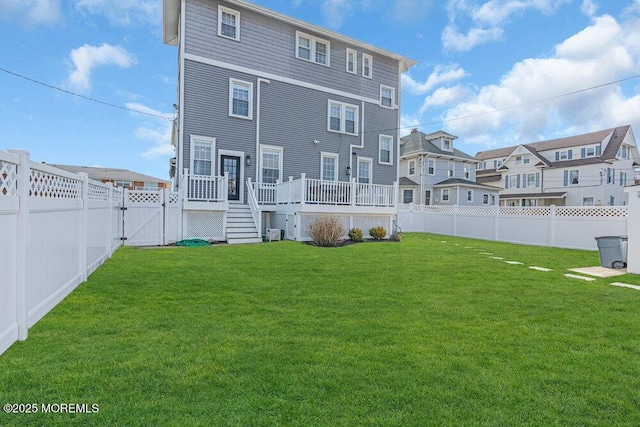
(275, 77)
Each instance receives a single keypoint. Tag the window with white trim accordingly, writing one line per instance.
(202, 150)
(450, 169)
(228, 23)
(467, 172)
(431, 167)
(485, 199)
(407, 196)
(587, 201)
(240, 99)
(328, 166)
(367, 66)
(446, 145)
(352, 61)
(445, 194)
(364, 170)
(270, 164)
(387, 96)
(385, 150)
(342, 118)
(412, 167)
(313, 49)
(571, 177)
(469, 196)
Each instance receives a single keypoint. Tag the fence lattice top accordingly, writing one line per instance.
(8, 179)
(49, 186)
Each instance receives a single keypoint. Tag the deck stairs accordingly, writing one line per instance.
(240, 225)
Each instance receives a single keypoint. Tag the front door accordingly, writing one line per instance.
(427, 197)
(231, 164)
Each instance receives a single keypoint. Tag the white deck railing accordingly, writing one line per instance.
(315, 191)
(253, 205)
(203, 188)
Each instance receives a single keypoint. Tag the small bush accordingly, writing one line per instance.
(377, 233)
(356, 235)
(326, 231)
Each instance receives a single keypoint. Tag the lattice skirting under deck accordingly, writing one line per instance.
(204, 225)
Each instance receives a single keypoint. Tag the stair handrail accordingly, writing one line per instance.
(253, 205)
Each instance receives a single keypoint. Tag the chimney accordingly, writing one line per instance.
(414, 130)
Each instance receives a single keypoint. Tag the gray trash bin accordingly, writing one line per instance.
(613, 251)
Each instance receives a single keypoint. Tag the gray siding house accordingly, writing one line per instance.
(434, 172)
(279, 121)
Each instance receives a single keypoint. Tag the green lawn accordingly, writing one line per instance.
(423, 332)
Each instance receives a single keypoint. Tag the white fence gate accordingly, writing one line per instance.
(151, 218)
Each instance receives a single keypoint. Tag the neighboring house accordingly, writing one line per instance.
(119, 177)
(281, 121)
(434, 172)
(583, 170)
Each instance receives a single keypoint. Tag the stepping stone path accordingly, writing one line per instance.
(497, 257)
(540, 268)
(513, 262)
(625, 285)
(575, 276)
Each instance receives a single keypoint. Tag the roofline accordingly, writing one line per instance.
(438, 156)
(171, 12)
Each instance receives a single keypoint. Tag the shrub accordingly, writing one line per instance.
(356, 235)
(326, 231)
(377, 233)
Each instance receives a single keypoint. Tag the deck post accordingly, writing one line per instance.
(303, 188)
(633, 230)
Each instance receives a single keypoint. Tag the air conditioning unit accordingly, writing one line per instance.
(273, 234)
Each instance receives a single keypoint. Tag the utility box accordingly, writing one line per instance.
(273, 234)
(613, 251)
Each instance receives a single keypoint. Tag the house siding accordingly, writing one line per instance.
(268, 45)
(291, 117)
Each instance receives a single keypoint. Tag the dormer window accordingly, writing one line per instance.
(446, 145)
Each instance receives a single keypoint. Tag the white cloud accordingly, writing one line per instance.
(157, 131)
(452, 39)
(124, 12)
(335, 11)
(444, 96)
(486, 20)
(31, 12)
(440, 74)
(589, 7)
(600, 53)
(87, 57)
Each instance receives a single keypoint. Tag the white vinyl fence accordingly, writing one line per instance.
(56, 228)
(574, 227)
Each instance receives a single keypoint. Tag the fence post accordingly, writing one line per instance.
(303, 188)
(633, 230)
(22, 238)
(82, 259)
(552, 225)
(496, 224)
(109, 224)
(455, 220)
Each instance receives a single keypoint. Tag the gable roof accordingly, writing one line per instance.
(110, 174)
(568, 142)
(417, 143)
(466, 183)
(171, 13)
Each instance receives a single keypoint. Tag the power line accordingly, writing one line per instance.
(84, 97)
(511, 107)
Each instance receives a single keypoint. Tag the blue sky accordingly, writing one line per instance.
(491, 72)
